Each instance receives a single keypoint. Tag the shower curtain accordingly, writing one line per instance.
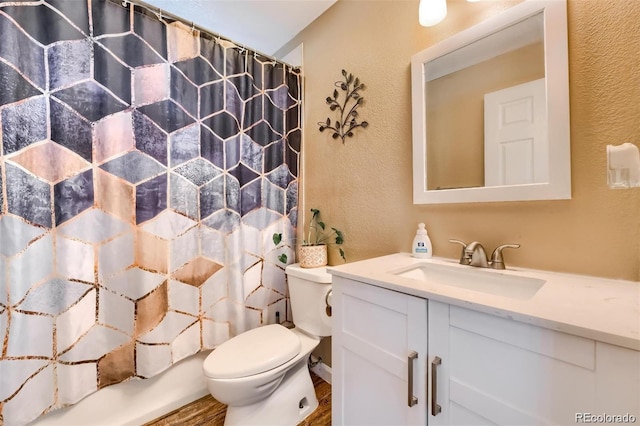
(144, 167)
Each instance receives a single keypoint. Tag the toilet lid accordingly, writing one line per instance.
(252, 352)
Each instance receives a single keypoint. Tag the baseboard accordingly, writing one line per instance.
(323, 371)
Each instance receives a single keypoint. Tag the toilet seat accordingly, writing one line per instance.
(252, 352)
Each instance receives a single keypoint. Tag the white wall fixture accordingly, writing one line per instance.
(623, 166)
(431, 12)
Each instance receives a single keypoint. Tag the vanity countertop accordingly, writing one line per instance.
(596, 308)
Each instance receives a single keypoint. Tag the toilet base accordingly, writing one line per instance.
(289, 404)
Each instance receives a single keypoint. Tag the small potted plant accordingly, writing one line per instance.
(312, 253)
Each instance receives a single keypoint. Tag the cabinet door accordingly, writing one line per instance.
(375, 331)
(499, 371)
(617, 382)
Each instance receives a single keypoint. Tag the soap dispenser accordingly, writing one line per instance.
(421, 243)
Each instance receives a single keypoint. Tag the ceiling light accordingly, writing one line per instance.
(431, 12)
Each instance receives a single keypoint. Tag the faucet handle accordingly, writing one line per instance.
(464, 260)
(497, 261)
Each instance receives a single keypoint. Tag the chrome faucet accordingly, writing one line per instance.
(473, 254)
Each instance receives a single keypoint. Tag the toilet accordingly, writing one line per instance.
(262, 374)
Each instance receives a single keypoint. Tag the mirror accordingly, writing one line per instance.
(491, 110)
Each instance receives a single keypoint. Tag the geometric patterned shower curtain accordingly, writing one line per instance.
(144, 168)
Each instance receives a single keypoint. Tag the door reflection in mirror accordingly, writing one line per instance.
(485, 118)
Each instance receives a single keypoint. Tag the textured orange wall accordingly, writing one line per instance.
(364, 187)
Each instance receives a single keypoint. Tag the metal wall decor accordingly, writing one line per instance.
(345, 125)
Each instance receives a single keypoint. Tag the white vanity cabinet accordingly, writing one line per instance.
(499, 371)
(491, 370)
(379, 346)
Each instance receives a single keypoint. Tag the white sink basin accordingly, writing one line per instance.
(475, 279)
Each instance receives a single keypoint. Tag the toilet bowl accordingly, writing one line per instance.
(262, 375)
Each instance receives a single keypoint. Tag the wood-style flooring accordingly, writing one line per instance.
(208, 412)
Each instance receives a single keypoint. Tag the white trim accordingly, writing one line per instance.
(323, 371)
(302, 176)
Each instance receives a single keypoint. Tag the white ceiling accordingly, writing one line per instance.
(262, 25)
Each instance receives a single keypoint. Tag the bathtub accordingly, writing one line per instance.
(136, 402)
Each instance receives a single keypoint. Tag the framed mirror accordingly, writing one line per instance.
(490, 109)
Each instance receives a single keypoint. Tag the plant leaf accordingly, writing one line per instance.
(277, 238)
(321, 225)
(364, 124)
(339, 236)
(344, 73)
(342, 254)
(335, 135)
(283, 258)
(315, 212)
(335, 94)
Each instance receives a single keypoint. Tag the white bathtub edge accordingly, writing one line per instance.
(136, 402)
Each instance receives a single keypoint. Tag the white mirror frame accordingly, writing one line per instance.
(557, 98)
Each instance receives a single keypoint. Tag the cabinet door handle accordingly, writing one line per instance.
(435, 408)
(412, 400)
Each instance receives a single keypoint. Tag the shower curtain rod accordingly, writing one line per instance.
(161, 13)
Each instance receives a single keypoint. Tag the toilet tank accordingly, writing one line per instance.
(308, 289)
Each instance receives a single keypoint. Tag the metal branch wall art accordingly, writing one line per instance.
(344, 126)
